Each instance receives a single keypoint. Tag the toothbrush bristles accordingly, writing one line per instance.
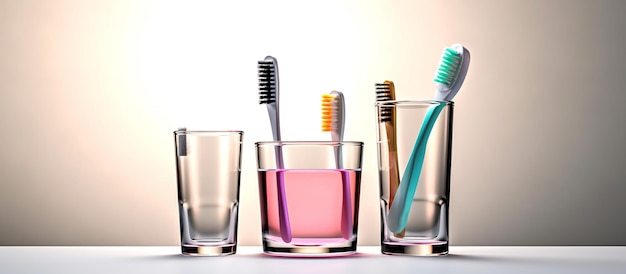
(383, 93)
(448, 67)
(267, 82)
(327, 112)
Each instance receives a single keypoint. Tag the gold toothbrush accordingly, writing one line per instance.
(386, 92)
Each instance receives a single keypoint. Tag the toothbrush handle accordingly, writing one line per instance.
(346, 210)
(399, 212)
(283, 211)
(394, 176)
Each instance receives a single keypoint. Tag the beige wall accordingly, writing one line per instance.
(91, 91)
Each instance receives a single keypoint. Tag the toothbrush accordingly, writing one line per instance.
(333, 120)
(450, 75)
(387, 92)
(268, 95)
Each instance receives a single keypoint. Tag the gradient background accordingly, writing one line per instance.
(92, 90)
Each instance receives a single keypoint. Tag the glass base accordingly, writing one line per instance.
(270, 248)
(425, 249)
(194, 250)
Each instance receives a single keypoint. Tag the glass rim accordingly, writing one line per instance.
(209, 132)
(413, 102)
(308, 143)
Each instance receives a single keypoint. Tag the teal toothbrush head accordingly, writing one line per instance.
(450, 75)
(451, 72)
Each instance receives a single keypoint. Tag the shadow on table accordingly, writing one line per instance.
(367, 258)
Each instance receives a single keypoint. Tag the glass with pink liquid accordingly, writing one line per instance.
(309, 194)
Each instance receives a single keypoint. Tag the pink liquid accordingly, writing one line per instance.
(315, 202)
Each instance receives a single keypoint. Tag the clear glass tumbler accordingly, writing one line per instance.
(414, 155)
(309, 195)
(208, 165)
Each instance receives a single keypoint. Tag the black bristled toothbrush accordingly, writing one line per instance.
(268, 95)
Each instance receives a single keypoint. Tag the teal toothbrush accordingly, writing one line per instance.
(450, 75)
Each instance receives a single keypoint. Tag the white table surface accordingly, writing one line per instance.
(249, 259)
